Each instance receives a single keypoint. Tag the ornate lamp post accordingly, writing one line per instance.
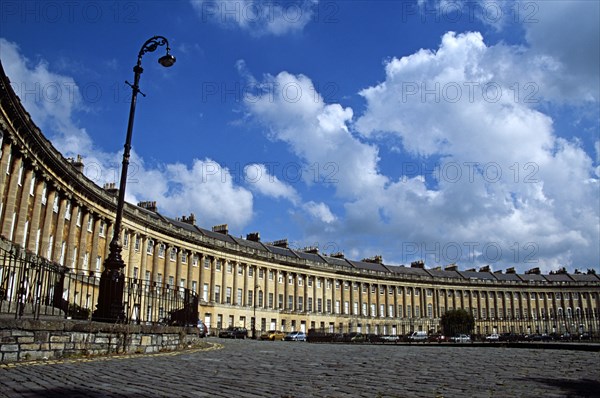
(110, 306)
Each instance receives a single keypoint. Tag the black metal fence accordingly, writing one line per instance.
(33, 287)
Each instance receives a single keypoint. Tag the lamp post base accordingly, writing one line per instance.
(110, 306)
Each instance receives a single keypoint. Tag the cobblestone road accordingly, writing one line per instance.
(246, 368)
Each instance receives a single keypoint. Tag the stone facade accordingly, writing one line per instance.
(50, 208)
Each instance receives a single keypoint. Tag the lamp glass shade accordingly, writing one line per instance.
(166, 60)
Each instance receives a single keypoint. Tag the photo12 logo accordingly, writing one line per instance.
(248, 12)
(290, 92)
(453, 92)
(289, 172)
(456, 252)
(70, 12)
(488, 172)
(489, 12)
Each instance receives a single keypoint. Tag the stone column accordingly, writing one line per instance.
(190, 274)
(23, 210)
(11, 199)
(72, 239)
(211, 282)
(95, 238)
(155, 260)
(4, 164)
(179, 265)
(144, 259)
(58, 234)
(34, 225)
(83, 241)
(131, 264)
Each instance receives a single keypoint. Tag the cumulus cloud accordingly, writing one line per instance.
(320, 211)
(50, 98)
(259, 18)
(317, 132)
(563, 62)
(259, 179)
(575, 47)
(506, 171)
(507, 190)
(205, 188)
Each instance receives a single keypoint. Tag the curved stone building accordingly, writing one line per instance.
(50, 208)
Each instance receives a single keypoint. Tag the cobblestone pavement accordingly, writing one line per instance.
(247, 368)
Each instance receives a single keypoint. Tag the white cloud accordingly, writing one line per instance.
(563, 62)
(258, 17)
(320, 211)
(508, 191)
(575, 45)
(49, 97)
(317, 132)
(259, 179)
(547, 191)
(205, 188)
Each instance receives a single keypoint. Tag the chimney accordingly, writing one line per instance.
(417, 264)
(374, 260)
(253, 236)
(534, 271)
(281, 243)
(337, 255)
(111, 188)
(511, 270)
(451, 267)
(485, 268)
(148, 205)
(311, 249)
(189, 220)
(222, 229)
(78, 164)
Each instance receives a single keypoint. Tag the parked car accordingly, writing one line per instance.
(234, 333)
(390, 338)
(357, 337)
(374, 338)
(538, 337)
(295, 336)
(493, 337)
(510, 337)
(420, 336)
(461, 338)
(566, 337)
(202, 329)
(272, 335)
(437, 338)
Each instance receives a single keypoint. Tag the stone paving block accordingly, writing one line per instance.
(247, 368)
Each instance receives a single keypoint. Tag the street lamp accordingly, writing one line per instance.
(110, 306)
(257, 287)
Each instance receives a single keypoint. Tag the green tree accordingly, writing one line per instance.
(458, 321)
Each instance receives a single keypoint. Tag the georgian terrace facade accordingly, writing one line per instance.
(50, 208)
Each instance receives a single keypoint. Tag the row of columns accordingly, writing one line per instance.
(507, 304)
(331, 292)
(31, 219)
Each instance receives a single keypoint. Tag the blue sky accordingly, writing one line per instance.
(454, 132)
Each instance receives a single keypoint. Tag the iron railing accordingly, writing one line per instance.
(33, 287)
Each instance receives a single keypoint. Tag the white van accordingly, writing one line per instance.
(418, 336)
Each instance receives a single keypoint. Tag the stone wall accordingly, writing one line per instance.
(25, 339)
